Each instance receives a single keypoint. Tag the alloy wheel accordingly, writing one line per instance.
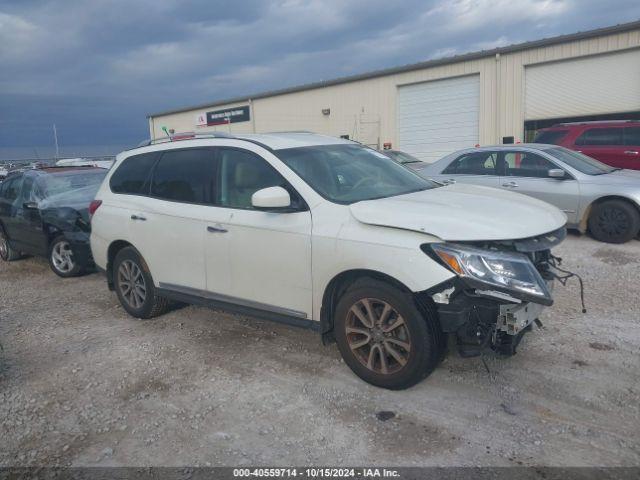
(613, 221)
(131, 284)
(378, 336)
(4, 247)
(62, 257)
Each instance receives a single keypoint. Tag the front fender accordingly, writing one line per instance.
(392, 252)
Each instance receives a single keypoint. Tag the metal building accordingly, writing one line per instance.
(432, 108)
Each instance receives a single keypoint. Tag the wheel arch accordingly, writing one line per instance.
(583, 226)
(112, 251)
(338, 285)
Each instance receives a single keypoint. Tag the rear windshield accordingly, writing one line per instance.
(401, 157)
(580, 162)
(551, 137)
(58, 183)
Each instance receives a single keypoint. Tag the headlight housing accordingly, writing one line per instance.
(508, 272)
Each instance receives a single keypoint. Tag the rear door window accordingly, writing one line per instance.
(187, 176)
(476, 163)
(133, 175)
(551, 137)
(600, 136)
(527, 164)
(30, 190)
(632, 136)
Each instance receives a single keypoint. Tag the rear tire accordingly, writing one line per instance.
(614, 221)
(398, 348)
(7, 253)
(134, 286)
(61, 258)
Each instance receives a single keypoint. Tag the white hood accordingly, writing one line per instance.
(463, 213)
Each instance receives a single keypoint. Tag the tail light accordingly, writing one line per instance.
(93, 206)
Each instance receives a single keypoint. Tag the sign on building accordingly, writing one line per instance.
(229, 115)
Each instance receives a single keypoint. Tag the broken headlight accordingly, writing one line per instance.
(508, 272)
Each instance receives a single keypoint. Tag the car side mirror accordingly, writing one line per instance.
(30, 205)
(271, 198)
(556, 173)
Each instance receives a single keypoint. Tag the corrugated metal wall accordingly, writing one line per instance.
(358, 107)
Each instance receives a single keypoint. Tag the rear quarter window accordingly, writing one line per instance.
(133, 174)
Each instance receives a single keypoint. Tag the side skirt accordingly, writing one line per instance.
(195, 297)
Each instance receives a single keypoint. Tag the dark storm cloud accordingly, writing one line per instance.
(96, 68)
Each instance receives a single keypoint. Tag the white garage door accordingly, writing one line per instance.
(586, 86)
(435, 118)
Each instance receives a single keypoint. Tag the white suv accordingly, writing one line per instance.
(326, 234)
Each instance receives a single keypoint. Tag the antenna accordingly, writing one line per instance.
(166, 132)
(55, 137)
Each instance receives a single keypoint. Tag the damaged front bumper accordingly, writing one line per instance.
(480, 322)
(482, 316)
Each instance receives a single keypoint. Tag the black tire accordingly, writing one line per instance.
(419, 332)
(614, 221)
(61, 258)
(139, 302)
(7, 253)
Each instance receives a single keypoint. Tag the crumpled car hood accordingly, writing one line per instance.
(463, 213)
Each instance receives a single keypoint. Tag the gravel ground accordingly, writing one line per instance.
(82, 383)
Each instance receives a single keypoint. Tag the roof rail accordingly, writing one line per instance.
(176, 137)
(587, 122)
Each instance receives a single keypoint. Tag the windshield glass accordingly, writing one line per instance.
(402, 157)
(73, 180)
(580, 162)
(351, 173)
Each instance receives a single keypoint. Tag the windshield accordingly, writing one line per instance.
(351, 173)
(580, 162)
(402, 157)
(63, 183)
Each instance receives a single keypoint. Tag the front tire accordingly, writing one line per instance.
(614, 221)
(7, 253)
(61, 258)
(134, 285)
(383, 337)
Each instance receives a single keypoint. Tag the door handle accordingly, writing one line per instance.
(631, 152)
(450, 181)
(510, 185)
(217, 229)
(138, 217)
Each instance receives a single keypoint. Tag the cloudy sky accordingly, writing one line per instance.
(97, 68)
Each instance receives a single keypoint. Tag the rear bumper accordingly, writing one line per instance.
(79, 242)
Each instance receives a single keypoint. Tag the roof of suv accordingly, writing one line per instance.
(273, 141)
(595, 123)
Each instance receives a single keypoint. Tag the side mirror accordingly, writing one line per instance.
(271, 198)
(556, 173)
(30, 206)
